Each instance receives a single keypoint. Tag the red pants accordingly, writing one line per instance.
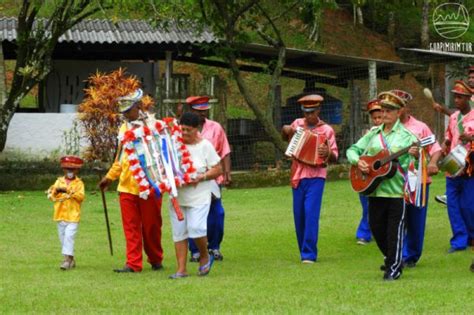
(141, 219)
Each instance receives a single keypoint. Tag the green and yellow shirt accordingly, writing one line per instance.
(373, 142)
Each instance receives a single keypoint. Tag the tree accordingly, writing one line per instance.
(425, 28)
(234, 23)
(357, 8)
(36, 40)
(99, 114)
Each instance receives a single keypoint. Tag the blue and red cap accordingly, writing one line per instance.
(198, 102)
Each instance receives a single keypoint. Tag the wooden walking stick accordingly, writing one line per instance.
(104, 203)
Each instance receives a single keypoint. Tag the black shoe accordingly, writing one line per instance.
(156, 267)
(453, 250)
(217, 254)
(124, 270)
(472, 266)
(409, 264)
(386, 277)
(382, 267)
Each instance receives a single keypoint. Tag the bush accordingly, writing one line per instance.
(39, 175)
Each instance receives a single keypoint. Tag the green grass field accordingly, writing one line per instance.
(261, 272)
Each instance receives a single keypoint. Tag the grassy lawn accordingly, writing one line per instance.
(261, 272)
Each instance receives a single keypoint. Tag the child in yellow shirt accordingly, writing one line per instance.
(68, 194)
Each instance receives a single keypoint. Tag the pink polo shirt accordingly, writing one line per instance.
(300, 170)
(421, 130)
(213, 131)
(452, 133)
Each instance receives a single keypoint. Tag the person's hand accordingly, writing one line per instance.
(196, 180)
(432, 169)
(414, 151)
(287, 132)
(61, 189)
(465, 137)
(323, 151)
(363, 166)
(104, 183)
(227, 179)
(437, 107)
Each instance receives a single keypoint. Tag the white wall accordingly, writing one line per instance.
(39, 133)
(66, 83)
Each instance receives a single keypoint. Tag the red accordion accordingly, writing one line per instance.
(304, 147)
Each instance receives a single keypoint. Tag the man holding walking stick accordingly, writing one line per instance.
(141, 218)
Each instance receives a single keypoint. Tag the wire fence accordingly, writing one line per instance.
(343, 107)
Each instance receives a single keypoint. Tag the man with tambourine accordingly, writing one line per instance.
(316, 146)
(457, 163)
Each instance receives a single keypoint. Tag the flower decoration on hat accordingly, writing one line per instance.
(391, 100)
(461, 87)
(373, 105)
(198, 102)
(71, 161)
(405, 96)
(310, 102)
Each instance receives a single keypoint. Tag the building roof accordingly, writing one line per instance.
(97, 31)
(138, 40)
(436, 56)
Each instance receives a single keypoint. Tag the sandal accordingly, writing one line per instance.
(205, 269)
(178, 275)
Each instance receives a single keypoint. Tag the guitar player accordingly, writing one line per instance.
(386, 203)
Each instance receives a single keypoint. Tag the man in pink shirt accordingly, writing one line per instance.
(449, 111)
(459, 189)
(307, 180)
(213, 131)
(415, 220)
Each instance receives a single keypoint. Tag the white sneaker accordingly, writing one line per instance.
(442, 199)
(65, 265)
(362, 241)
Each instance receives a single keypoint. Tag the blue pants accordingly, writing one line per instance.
(363, 231)
(215, 227)
(460, 194)
(415, 223)
(306, 210)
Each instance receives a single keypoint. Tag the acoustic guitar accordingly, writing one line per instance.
(381, 166)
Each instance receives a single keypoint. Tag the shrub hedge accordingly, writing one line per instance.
(28, 175)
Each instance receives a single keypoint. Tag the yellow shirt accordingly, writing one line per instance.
(67, 206)
(121, 169)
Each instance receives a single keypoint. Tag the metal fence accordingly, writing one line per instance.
(343, 107)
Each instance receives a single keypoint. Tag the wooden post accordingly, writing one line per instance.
(165, 110)
(158, 91)
(352, 112)
(277, 117)
(372, 80)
